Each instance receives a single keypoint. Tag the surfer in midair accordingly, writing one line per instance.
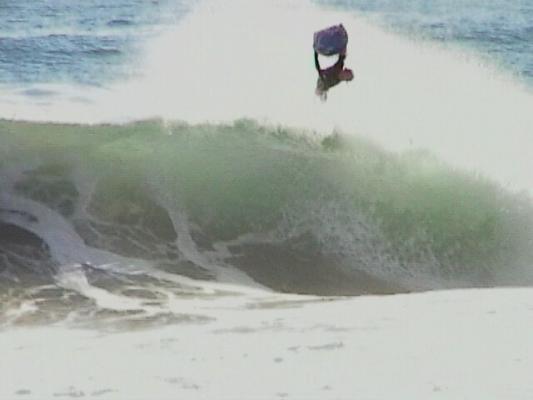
(331, 41)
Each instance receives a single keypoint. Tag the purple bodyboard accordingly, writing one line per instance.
(330, 41)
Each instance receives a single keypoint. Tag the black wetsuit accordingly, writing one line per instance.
(329, 77)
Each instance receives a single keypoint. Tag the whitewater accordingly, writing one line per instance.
(207, 228)
(410, 94)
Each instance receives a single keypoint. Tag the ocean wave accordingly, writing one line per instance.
(295, 211)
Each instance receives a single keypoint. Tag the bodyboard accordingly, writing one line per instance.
(330, 41)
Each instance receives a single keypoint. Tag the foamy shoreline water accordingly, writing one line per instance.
(450, 345)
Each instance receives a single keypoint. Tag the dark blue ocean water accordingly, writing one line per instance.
(97, 41)
(78, 41)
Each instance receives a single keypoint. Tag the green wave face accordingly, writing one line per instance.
(279, 198)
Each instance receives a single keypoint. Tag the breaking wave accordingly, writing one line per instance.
(119, 220)
(294, 210)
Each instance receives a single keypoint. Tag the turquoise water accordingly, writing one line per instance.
(139, 190)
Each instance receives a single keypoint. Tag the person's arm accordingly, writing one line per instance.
(317, 64)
